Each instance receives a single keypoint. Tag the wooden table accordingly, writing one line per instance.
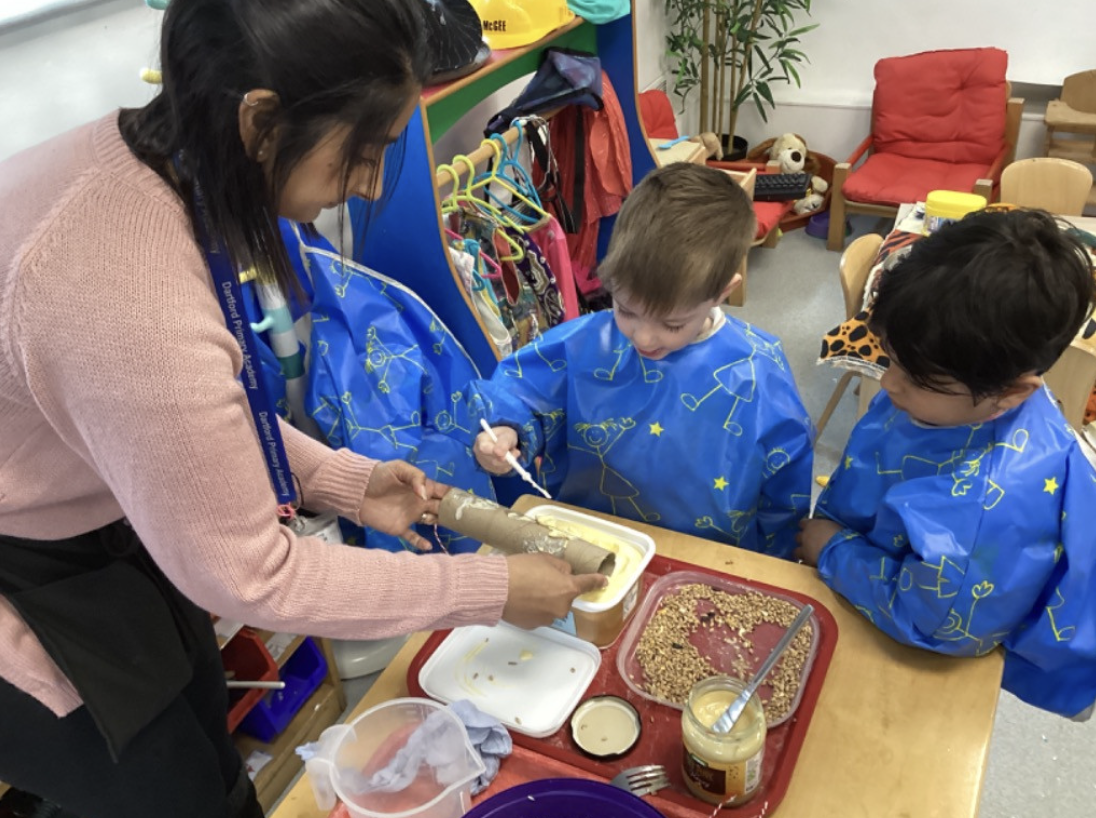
(896, 731)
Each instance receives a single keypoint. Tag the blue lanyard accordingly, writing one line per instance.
(263, 408)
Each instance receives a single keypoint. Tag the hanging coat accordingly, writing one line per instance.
(713, 440)
(963, 538)
(606, 174)
(385, 378)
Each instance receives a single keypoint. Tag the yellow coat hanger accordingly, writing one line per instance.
(464, 200)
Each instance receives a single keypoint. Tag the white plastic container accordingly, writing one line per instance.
(601, 621)
(528, 680)
(357, 763)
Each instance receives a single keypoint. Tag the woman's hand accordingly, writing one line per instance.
(542, 589)
(812, 538)
(398, 496)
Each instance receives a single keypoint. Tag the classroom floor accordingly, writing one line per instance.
(1039, 764)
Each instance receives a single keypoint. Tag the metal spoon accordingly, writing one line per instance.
(727, 721)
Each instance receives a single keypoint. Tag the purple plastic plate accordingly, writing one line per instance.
(555, 797)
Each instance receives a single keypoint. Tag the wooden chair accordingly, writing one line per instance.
(1056, 185)
(936, 125)
(1073, 114)
(746, 180)
(1071, 380)
(853, 270)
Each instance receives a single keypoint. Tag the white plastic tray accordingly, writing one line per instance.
(528, 680)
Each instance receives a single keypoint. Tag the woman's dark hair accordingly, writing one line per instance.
(985, 300)
(351, 63)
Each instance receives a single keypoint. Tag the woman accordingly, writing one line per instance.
(133, 493)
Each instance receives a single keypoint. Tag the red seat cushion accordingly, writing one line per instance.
(769, 215)
(942, 105)
(888, 179)
(657, 114)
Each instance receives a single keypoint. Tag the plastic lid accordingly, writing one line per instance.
(605, 726)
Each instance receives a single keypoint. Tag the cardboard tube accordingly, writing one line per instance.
(514, 533)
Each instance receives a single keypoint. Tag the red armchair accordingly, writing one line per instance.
(941, 120)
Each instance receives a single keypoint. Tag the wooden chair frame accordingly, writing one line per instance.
(1073, 114)
(853, 271)
(1059, 186)
(1071, 380)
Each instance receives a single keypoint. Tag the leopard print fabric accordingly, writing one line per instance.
(851, 345)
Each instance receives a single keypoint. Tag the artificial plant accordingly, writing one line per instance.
(734, 51)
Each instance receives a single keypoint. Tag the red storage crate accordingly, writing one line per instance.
(247, 659)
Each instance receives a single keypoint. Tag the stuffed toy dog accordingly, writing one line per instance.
(790, 152)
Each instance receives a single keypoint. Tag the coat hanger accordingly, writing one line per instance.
(512, 177)
(464, 201)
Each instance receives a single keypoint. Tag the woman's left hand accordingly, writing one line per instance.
(398, 496)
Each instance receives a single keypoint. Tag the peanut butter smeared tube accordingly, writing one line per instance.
(514, 533)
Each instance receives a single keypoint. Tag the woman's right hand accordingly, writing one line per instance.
(542, 589)
(491, 454)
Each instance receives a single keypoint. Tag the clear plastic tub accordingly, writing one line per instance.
(381, 766)
(600, 621)
(716, 643)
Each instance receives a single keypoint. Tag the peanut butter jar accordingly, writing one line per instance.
(722, 768)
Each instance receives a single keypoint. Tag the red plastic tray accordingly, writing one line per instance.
(660, 741)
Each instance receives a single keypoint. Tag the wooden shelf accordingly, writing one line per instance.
(280, 645)
(449, 102)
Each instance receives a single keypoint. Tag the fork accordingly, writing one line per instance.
(642, 780)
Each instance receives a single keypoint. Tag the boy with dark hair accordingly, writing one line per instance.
(664, 410)
(961, 515)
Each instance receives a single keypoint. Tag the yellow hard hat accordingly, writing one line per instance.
(514, 23)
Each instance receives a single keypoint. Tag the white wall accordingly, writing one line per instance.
(73, 67)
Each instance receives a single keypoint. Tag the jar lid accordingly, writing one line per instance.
(605, 726)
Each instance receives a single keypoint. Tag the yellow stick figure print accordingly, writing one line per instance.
(649, 375)
(738, 386)
(598, 439)
(379, 358)
(518, 371)
(345, 274)
(389, 431)
(1064, 633)
(740, 523)
(728, 381)
(436, 329)
(550, 424)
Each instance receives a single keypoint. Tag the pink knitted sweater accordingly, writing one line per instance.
(118, 397)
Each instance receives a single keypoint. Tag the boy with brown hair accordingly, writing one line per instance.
(664, 410)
